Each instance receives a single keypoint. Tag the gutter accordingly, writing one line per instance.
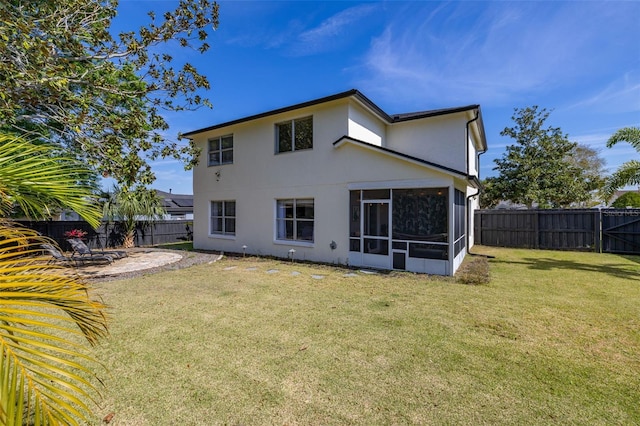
(470, 177)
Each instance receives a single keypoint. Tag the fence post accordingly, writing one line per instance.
(536, 229)
(598, 230)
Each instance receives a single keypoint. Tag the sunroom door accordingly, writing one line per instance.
(376, 219)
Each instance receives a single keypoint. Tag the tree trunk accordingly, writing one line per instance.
(129, 241)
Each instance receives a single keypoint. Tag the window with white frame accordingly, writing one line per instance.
(294, 135)
(223, 218)
(294, 220)
(221, 150)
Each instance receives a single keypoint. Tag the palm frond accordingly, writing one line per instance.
(34, 176)
(630, 135)
(43, 370)
(627, 174)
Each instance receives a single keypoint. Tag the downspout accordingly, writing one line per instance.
(469, 177)
(466, 141)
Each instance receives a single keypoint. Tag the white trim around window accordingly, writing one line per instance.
(294, 222)
(222, 219)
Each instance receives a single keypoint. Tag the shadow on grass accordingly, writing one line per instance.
(631, 258)
(624, 271)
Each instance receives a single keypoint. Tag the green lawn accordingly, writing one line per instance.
(553, 339)
(185, 245)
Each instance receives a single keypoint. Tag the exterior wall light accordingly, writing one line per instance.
(333, 245)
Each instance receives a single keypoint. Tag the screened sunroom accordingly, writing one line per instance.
(413, 229)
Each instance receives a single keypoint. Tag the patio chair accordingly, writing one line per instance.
(81, 253)
(83, 250)
(58, 256)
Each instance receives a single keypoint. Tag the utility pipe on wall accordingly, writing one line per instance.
(467, 136)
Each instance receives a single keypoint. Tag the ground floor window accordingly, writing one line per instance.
(223, 218)
(411, 222)
(295, 220)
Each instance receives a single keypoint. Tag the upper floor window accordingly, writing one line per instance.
(221, 150)
(294, 135)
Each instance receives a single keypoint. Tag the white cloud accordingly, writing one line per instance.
(490, 53)
(620, 96)
(336, 25)
(297, 38)
(331, 32)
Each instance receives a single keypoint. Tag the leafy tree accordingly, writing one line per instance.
(538, 169)
(629, 172)
(593, 169)
(43, 369)
(65, 77)
(132, 206)
(489, 198)
(628, 199)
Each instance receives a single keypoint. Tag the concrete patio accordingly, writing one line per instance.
(136, 260)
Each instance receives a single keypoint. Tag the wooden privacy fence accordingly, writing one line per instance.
(112, 235)
(607, 230)
(621, 231)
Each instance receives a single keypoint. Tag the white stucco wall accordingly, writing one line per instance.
(473, 205)
(258, 177)
(474, 147)
(438, 139)
(364, 126)
(471, 152)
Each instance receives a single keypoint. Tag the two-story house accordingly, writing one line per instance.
(339, 180)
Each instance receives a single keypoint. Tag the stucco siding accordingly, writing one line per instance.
(365, 126)
(343, 168)
(472, 170)
(259, 177)
(437, 139)
(473, 205)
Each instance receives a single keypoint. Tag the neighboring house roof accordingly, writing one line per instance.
(390, 119)
(347, 139)
(176, 203)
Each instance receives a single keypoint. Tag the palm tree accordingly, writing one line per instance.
(629, 172)
(132, 206)
(43, 370)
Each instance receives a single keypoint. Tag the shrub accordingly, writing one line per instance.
(475, 271)
(628, 199)
(75, 233)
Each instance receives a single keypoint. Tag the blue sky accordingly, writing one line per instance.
(579, 59)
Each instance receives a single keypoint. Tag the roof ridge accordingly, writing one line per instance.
(355, 93)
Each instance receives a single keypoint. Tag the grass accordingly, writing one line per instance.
(474, 271)
(184, 245)
(554, 337)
